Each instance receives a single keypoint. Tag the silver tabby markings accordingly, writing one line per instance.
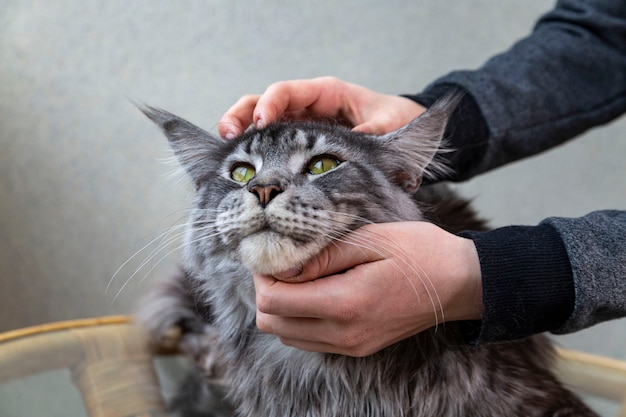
(270, 200)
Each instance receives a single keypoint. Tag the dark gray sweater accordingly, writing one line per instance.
(568, 76)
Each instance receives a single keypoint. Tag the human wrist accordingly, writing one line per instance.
(467, 302)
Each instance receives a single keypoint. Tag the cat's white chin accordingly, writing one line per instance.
(270, 253)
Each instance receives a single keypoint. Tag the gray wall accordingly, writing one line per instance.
(82, 183)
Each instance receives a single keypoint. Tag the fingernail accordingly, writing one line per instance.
(229, 136)
(260, 123)
(289, 273)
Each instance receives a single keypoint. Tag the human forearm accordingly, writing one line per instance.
(563, 79)
(596, 246)
(561, 276)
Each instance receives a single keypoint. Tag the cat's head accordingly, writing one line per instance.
(273, 198)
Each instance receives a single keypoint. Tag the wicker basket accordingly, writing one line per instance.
(112, 365)
(109, 359)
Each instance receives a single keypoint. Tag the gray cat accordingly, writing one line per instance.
(272, 199)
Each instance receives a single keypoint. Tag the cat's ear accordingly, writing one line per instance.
(197, 150)
(413, 148)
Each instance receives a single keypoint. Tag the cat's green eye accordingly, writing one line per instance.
(322, 164)
(242, 173)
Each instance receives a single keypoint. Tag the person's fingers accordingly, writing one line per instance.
(293, 328)
(304, 295)
(374, 127)
(378, 126)
(396, 113)
(283, 299)
(329, 299)
(360, 350)
(238, 117)
(312, 346)
(319, 335)
(367, 111)
(380, 123)
(291, 99)
(361, 246)
(317, 96)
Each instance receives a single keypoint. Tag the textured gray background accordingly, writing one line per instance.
(82, 184)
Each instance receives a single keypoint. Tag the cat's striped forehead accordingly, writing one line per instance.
(289, 138)
(290, 144)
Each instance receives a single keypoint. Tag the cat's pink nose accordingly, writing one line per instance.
(266, 193)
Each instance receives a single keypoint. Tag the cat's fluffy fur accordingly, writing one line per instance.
(282, 217)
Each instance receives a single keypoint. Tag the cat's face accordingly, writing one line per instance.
(273, 198)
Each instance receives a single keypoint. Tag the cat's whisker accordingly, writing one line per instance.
(157, 263)
(150, 256)
(164, 242)
(147, 245)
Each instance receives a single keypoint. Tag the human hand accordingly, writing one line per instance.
(409, 277)
(365, 110)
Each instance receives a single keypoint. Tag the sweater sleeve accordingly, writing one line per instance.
(567, 76)
(527, 283)
(562, 276)
(596, 246)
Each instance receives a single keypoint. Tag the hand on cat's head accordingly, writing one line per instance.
(365, 110)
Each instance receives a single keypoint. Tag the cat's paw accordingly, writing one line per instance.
(203, 349)
(173, 322)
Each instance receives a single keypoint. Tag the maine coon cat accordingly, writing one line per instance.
(270, 200)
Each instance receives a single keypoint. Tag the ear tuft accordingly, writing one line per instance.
(198, 151)
(414, 147)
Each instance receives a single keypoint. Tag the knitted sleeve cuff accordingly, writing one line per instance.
(466, 134)
(528, 285)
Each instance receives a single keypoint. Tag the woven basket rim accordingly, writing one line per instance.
(62, 325)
